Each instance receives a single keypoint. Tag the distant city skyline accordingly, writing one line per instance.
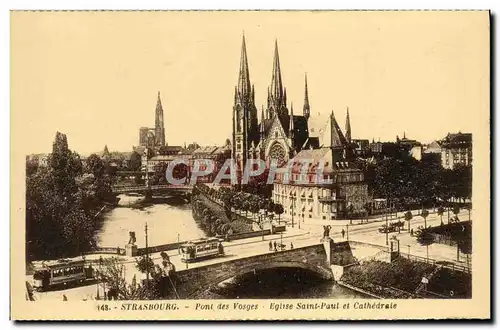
(96, 80)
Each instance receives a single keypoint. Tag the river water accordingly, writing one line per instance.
(170, 221)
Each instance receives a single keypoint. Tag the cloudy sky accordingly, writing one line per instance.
(95, 76)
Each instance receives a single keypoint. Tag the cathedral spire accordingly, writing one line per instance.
(159, 125)
(292, 128)
(307, 107)
(262, 128)
(276, 83)
(348, 127)
(244, 77)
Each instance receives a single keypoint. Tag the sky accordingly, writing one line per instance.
(95, 75)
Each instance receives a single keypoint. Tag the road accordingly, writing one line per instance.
(310, 233)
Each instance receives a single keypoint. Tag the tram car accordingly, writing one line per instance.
(60, 272)
(201, 249)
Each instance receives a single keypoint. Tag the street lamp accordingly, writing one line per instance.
(347, 232)
(179, 243)
(292, 197)
(386, 223)
(281, 239)
(147, 254)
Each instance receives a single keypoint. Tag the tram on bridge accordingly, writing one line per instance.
(193, 251)
(60, 272)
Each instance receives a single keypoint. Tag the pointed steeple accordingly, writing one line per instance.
(276, 83)
(159, 125)
(105, 154)
(348, 127)
(291, 127)
(334, 138)
(284, 96)
(307, 107)
(262, 123)
(244, 75)
(253, 94)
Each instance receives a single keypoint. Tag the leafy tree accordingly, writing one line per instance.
(350, 212)
(408, 217)
(441, 212)
(425, 238)
(95, 165)
(278, 209)
(59, 210)
(424, 215)
(31, 166)
(135, 162)
(144, 264)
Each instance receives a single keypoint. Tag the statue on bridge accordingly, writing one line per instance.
(132, 238)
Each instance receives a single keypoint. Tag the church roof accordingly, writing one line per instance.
(311, 142)
(317, 124)
(332, 135)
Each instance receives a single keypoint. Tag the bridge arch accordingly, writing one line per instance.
(317, 270)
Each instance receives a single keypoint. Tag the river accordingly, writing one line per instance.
(172, 220)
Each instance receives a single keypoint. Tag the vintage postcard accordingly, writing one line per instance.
(250, 165)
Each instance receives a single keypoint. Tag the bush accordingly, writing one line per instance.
(401, 274)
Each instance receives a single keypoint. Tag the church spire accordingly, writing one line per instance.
(307, 107)
(262, 122)
(348, 127)
(159, 125)
(276, 83)
(244, 88)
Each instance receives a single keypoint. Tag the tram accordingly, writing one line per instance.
(201, 249)
(60, 272)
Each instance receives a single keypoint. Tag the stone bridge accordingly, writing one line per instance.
(318, 258)
(143, 189)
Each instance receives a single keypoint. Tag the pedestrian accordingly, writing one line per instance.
(291, 245)
(65, 298)
(275, 247)
(270, 246)
(343, 232)
(411, 232)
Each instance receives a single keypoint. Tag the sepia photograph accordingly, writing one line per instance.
(258, 165)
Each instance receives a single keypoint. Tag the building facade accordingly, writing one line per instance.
(304, 195)
(456, 149)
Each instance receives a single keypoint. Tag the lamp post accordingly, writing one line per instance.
(179, 243)
(347, 232)
(386, 223)
(292, 197)
(281, 239)
(147, 254)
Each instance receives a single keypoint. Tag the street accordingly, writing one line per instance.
(310, 233)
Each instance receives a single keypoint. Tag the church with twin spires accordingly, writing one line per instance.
(278, 131)
(282, 133)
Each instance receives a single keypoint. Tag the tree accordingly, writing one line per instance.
(350, 212)
(425, 238)
(440, 213)
(31, 166)
(424, 215)
(95, 165)
(278, 209)
(408, 217)
(135, 161)
(112, 273)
